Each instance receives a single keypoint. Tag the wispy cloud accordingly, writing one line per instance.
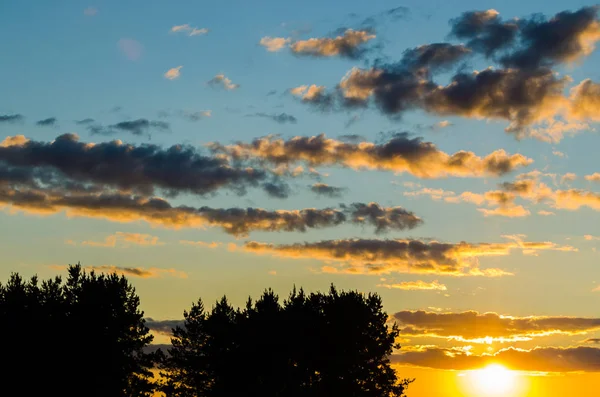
(124, 240)
(415, 286)
(49, 122)
(191, 31)
(222, 81)
(173, 73)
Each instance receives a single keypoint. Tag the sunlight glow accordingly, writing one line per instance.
(494, 380)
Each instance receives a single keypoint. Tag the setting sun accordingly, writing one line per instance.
(494, 380)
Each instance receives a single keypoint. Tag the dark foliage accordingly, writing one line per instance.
(83, 337)
(325, 345)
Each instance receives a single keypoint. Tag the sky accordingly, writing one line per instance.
(440, 154)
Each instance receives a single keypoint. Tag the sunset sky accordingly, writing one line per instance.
(442, 154)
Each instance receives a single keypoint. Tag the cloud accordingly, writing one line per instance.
(589, 237)
(322, 189)
(196, 116)
(221, 80)
(121, 207)
(143, 169)
(485, 30)
(539, 359)
(527, 188)
(11, 118)
(432, 57)
(200, 243)
(132, 49)
(566, 37)
(558, 153)
(546, 213)
(173, 73)
(84, 121)
(313, 94)
(568, 178)
(384, 219)
(280, 118)
(400, 154)
(475, 327)
(416, 286)
(274, 44)
(374, 256)
(349, 45)
(124, 239)
(585, 101)
(49, 122)
(135, 127)
(163, 327)
(595, 177)
(90, 11)
(524, 91)
(592, 340)
(191, 31)
(17, 140)
(152, 272)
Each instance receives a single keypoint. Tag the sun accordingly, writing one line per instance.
(494, 380)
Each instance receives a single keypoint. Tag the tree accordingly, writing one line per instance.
(83, 337)
(325, 345)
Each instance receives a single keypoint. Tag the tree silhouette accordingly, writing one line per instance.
(325, 345)
(83, 337)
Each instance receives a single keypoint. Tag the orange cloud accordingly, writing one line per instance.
(475, 327)
(400, 154)
(416, 286)
(372, 256)
(539, 359)
(347, 45)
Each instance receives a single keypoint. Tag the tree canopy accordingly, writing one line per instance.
(81, 337)
(334, 344)
(86, 336)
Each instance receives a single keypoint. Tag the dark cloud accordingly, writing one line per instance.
(593, 340)
(433, 57)
(241, 221)
(84, 121)
(475, 327)
(11, 118)
(379, 256)
(485, 30)
(533, 42)
(384, 219)
(566, 37)
(144, 168)
(521, 97)
(540, 359)
(322, 189)
(272, 92)
(120, 207)
(135, 127)
(163, 327)
(280, 118)
(49, 122)
(276, 189)
(400, 154)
